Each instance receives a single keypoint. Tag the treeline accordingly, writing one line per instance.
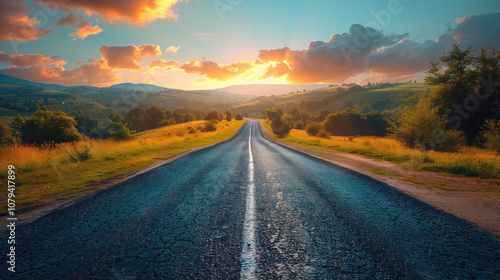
(462, 110)
(53, 127)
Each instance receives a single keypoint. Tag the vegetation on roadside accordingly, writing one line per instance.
(65, 169)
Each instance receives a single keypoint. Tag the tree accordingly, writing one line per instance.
(135, 118)
(421, 126)
(228, 114)
(238, 117)
(313, 128)
(6, 138)
(468, 91)
(491, 135)
(46, 127)
(121, 131)
(154, 117)
(279, 124)
(212, 115)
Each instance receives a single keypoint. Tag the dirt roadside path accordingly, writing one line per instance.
(471, 206)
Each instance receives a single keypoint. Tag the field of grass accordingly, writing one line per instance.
(470, 162)
(43, 173)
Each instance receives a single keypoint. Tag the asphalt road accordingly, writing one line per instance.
(249, 208)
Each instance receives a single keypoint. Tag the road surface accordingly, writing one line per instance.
(251, 209)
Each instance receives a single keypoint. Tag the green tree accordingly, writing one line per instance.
(422, 126)
(228, 114)
(154, 117)
(212, 115)
(238, 117)
(468, 90)
(121, 131)
(135, 119)
(312, 128)
(491, 135)
(46, 127)
(279, 124)
(6, 138)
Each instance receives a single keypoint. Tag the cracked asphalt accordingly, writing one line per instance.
(314, 220)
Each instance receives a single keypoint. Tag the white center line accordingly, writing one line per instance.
(249, 249)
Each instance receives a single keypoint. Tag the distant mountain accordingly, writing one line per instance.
(268, 90)
(143, 87)
(4, 79)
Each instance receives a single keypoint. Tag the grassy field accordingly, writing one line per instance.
(470, 162)
(44, 173)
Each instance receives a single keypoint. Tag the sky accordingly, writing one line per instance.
(215, 43)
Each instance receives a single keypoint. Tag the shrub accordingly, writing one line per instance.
(422, 127)
(210, 127)
(238, 117)
(192, 131)
(213, 115)
(313, 128)
(323, 134)
(228, 114)
(121, 132)
(279, 124)
(5, 136)
(79, 153)
(46, 127)
(491, 135)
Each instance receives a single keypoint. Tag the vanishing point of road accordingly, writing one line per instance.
(251, 209)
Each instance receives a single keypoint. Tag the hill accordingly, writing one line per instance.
(379, 98)
(5, 79)
(269, 89)
(143, 87)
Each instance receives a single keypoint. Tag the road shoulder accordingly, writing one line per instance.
(471, 206)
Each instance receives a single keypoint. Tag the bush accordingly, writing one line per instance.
(46, 127)
(192, 131)
(121, 132)
(6, 138)
(210, 127)
(313, 128)
(79, 154)
(238, 117)
(279, 124)
(491, 135)
(213, 115)
(323, 134)
(422, 127)
(228, 114)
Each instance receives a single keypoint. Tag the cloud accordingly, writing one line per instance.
(478, 31)
(25, 60)
(15, 24)
(139, 12)
(84, 32)
(96, 73)
(127, 57)
(172, 49)
(215, 71)
(82, 26)
(163, 65)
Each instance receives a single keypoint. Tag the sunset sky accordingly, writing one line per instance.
(215, 43)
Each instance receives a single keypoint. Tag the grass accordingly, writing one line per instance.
(470, 162)
(43, 173)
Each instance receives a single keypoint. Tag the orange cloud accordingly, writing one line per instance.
(172, 49)
(139, 12)
(128, 56)
(163, 65)
(84, 32)
(220, 73)
(96, 73)
(16, 25)
(25, 60)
